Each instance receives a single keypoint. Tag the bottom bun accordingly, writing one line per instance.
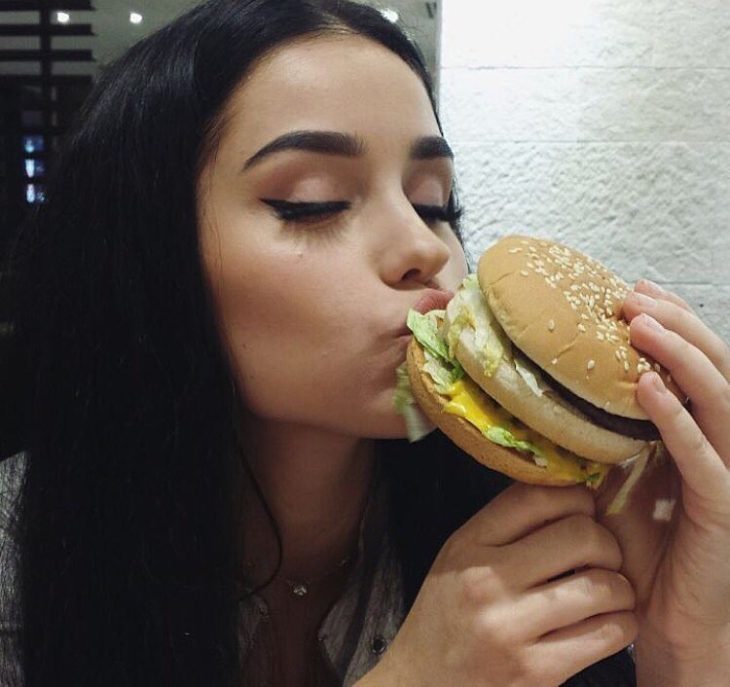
(467, 437)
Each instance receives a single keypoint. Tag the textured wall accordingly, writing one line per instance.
(603, 123)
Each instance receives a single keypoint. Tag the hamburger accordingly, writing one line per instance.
(530, 369)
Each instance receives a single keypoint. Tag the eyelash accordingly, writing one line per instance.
(289, 211)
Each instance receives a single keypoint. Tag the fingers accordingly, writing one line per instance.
(575, 542)
(584, 643)
(522, 508)
(702, 469)
(676, 316)
(651, 289)
(572, 599)
(694, 372)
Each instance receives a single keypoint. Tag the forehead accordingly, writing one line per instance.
(335, 82)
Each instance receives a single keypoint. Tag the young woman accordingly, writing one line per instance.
(214, 488)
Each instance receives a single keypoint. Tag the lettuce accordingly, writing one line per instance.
(417, 424)
(469, 309)
(443, 369)
(503, 437)
(530, 375)
(425, 329)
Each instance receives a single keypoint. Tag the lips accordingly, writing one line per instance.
(433, 300)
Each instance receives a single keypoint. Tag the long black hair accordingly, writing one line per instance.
(126, 525)
(127, 543)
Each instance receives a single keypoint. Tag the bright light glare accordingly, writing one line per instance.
(135, 17)
(390, 15)
(63, 17)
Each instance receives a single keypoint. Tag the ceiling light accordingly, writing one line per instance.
(390, 15)
(63, 17)
(135, 17)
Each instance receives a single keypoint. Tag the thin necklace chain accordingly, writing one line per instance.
(301, 588)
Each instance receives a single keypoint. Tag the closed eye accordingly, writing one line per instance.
(290, 211)
(438, 213)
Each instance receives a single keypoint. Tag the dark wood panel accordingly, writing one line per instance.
(52, 30)
(52, 55)
(35, 5)
(35, 79)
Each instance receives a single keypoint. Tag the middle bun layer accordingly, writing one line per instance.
(517, 385)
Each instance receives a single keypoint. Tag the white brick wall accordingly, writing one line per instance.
(603, 123)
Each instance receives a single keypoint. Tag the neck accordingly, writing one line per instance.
(316, 486)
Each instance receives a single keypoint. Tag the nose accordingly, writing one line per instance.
(412, 251)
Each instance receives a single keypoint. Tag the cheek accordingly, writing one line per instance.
(280, 327)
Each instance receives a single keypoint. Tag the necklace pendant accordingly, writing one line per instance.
(299, 590)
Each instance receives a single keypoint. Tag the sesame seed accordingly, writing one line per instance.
(514, 250)
(554, 361)
(626, 366)
(524, 273)
(551, 325)
(591, 364)
(582, 328)
(657, 367)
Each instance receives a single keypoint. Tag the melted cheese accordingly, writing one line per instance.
(468, 401)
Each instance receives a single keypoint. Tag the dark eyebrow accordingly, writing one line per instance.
(431, 147)
(335, 143)
(327, 142)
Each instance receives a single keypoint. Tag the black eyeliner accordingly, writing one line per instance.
(438, 212)
(291, 210)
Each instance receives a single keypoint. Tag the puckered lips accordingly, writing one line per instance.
(431, 299)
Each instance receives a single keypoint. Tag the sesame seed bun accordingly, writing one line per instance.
(562, 310)
(548, 413)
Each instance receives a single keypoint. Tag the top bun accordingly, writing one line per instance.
(562, 310)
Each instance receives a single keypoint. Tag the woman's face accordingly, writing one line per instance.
(312, 307)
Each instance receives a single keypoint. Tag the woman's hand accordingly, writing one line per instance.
(500, 607)
(680, 568)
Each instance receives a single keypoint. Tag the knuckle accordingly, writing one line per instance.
(618, 630)
(719, 353)
(595, 540)
(699, 444)
(585, 530)
(488, 629)
(683, 351)
(616, 588)
(479, 584)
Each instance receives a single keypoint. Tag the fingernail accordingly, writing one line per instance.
(649, 285)
(652, 323)
(642, 300)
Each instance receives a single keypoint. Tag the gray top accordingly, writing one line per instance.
(356, 631)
